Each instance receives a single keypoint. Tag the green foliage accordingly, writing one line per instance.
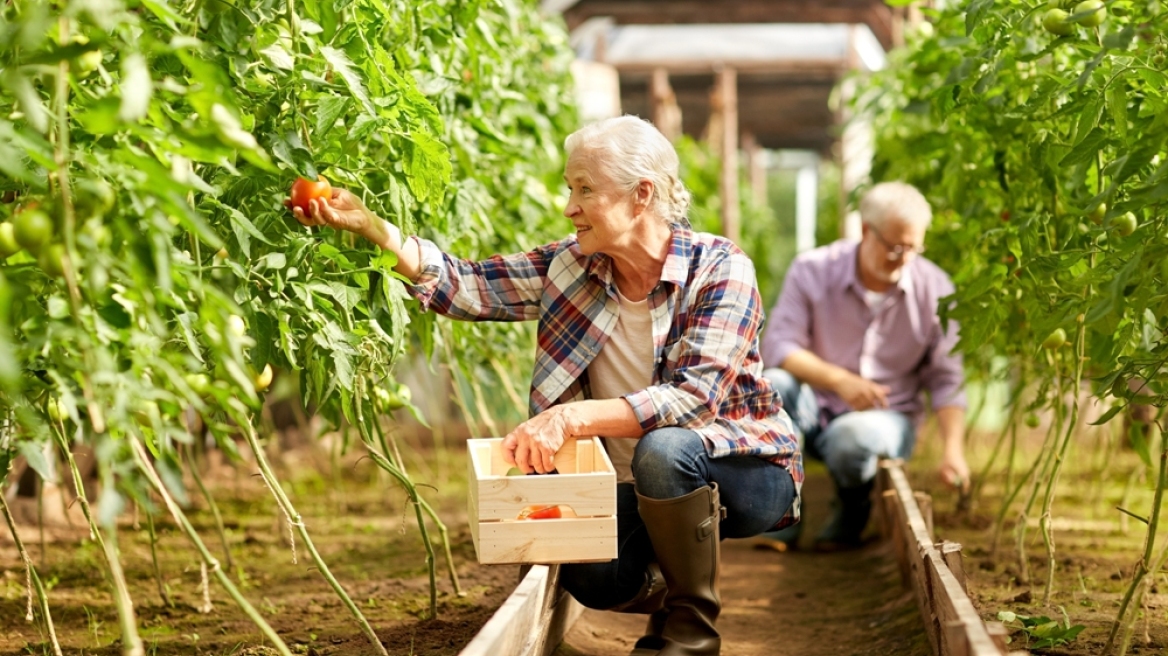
(1043, 631)
(155, 135)
(1018, 137)
(761, 234)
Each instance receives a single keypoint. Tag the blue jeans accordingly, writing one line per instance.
(669, 463)
(851, 443)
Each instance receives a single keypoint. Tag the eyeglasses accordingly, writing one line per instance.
(895, 251)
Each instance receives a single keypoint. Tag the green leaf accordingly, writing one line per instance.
(30, 102)
(344, 67)
(427, 166)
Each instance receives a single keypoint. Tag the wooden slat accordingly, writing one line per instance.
(576, 540)
(954, 626)
(925, 505)
(533, 620)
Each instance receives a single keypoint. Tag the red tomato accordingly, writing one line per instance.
(541, 512)
(305, 190)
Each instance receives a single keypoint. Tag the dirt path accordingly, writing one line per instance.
(797, 604)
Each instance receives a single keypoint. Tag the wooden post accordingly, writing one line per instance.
(951, 555)
(998, 633)
(756, 162)
(925, 503)
(666, 112)
(899, 539)
(726, 94)
(855, 147)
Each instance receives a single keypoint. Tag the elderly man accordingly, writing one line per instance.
(853, 341)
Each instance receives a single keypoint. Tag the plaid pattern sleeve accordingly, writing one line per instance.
(500, 288)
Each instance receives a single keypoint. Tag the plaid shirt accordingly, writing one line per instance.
(706, 321)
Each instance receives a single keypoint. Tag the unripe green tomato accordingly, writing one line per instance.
(53, 409)
(1055, 339)
(1125, 224)
(235, 326)
(88, 62)
(52, 260)
(1098, 12)
(1055, 21)
(8, 245)
(32, 229)
(1032, 420)
(1158, 60)
(1098, 213)
(198, 382)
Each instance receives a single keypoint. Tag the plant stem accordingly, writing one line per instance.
(1059, 457)
(207, 558)
(295, 520)
(193, 467)
(131, 641)
(444, 534)
(154, 559)
(1149, 546)
(42, 596)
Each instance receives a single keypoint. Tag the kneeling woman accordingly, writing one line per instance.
(648, 337)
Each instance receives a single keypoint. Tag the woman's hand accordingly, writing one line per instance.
(533, 444)
(344, 211)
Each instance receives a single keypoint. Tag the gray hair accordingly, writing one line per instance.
(895, 200)
(635, 150)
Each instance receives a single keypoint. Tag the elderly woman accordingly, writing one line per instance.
(648, 337)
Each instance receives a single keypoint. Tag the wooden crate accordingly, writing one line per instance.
(586, 483)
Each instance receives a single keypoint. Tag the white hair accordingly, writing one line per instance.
(898, 200)
(632, 149)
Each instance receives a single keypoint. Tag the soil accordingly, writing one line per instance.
(1096, 546)
(359, 522)
(799, 603)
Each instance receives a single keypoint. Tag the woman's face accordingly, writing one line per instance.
(602, 213)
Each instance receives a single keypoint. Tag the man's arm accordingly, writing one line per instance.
(954, 469)
(859, 393)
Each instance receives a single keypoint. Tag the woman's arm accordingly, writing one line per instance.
(344, 211)
(532, 446)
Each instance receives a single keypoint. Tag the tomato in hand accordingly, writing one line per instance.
(305, 190)
(541, 512)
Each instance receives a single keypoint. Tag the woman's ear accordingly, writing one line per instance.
(643, 195)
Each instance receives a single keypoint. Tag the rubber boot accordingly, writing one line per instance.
(853, 505)
(685, 535)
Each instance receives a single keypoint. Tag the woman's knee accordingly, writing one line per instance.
(666, 463)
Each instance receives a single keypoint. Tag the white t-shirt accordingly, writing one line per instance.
(624, 365)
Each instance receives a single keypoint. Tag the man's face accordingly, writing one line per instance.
(884, 252)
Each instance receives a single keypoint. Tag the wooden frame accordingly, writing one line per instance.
(533, 620)
(934, 571)
(586, 483)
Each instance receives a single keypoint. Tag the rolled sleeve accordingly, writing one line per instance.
(789, 325)
(433, 264)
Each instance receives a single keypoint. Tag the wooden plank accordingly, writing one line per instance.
(948, 604)
(508, 629)
(925, 505)
(874, 13)
(575, 540)
(531, 622)
(726, 103)
(951, 555)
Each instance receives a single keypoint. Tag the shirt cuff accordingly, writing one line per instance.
(426, 284)
(644, 409)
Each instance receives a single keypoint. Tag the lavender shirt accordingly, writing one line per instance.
(901, 345)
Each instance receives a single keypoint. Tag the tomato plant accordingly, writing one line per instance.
(1051, 130)
(162, 269)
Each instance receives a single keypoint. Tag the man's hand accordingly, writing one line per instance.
(533, 444)
(954, 470)
(861, 393)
